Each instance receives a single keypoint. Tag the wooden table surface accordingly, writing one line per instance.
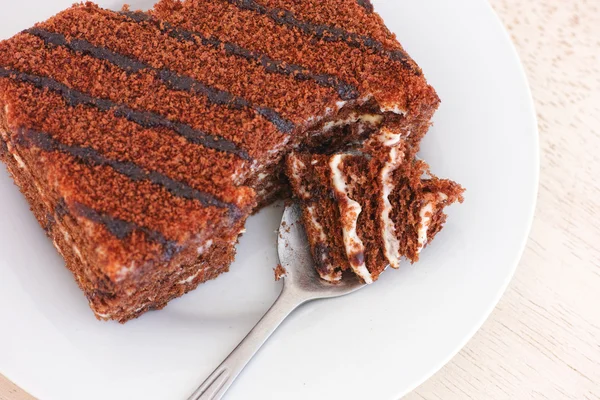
(543, 339)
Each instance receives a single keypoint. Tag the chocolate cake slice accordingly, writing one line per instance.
(144, 140)
(363, 211)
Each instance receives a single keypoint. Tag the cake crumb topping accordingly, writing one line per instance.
(280, 272)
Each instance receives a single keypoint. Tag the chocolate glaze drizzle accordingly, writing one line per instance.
(85, 47)
(172, 79)
(50, 222)
(357, 258)
(366, 4)
(92, 157)
(345, 90)
(145, 119)
(61, 209)
(326, 33)
(121, 229)
(117, 227)
(3, 146)
(223, 98)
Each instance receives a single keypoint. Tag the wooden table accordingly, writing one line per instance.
(543, 339)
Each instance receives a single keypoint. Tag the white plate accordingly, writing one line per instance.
(377, 344)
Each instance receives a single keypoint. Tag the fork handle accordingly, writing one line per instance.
(215, 386)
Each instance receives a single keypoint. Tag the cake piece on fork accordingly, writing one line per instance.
(364, 211)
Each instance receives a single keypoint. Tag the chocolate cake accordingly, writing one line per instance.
(365, 210)
(143, 140)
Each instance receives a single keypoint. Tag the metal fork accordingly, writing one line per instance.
(301, 284)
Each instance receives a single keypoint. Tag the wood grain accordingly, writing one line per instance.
(9, 391)
(543, 339)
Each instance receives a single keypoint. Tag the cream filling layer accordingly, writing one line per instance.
(316, 224)
(372, 119)
(349, 211)
(425, 214)
(189, 278)
(207, 245)
(19, 161)
(394, 108)
(390, 238)
(389, 138)
(332, 275)
(298, 166)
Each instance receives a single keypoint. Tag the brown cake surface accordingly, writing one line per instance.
(144, 140)
(364, 211)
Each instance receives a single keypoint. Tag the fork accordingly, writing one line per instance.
(301, 284)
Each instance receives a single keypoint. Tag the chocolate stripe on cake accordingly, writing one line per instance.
(132, 171)
(327, 33)
(223, 98)
(121, 229)
(345, 90)
(50, 222)
(145, 119)
(82, 46)
(366, 4)
(172, 79)
(60, 210)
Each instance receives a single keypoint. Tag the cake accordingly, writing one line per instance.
(280, 272)
(365, 210)
(143, 140)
